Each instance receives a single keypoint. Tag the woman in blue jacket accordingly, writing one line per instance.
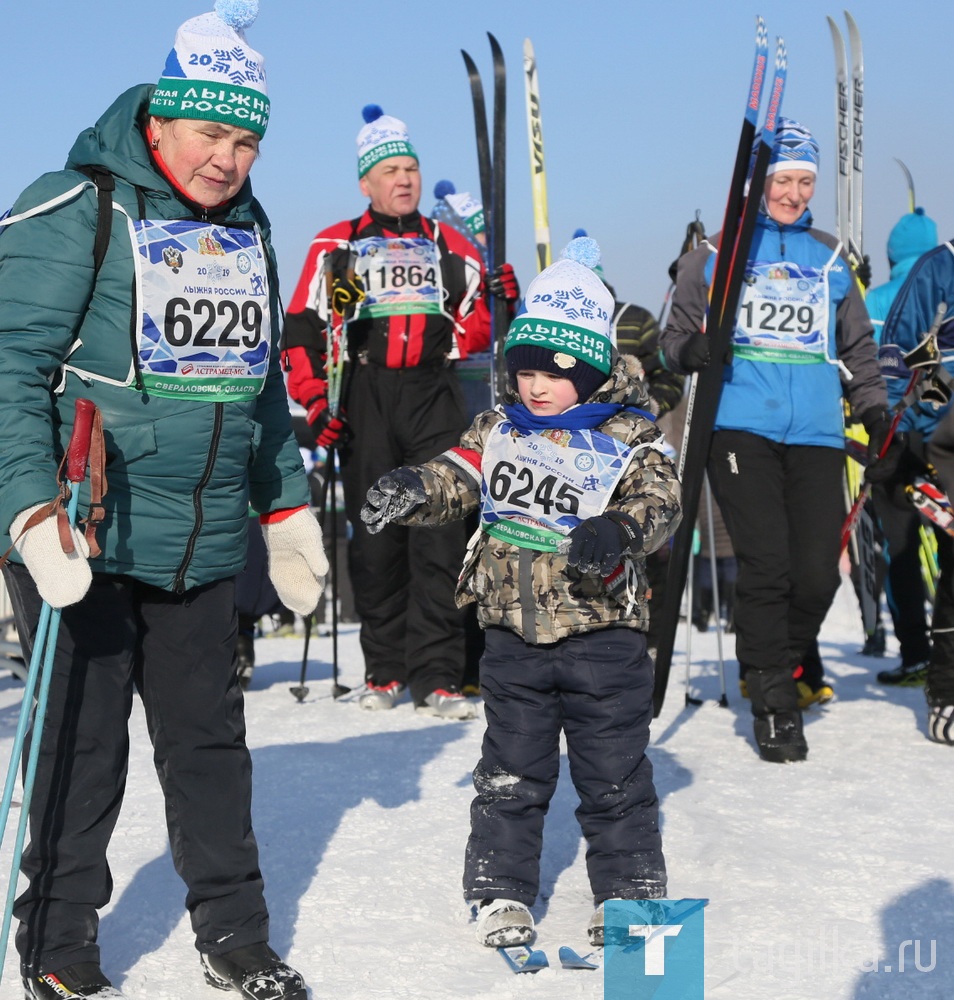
(802, 342)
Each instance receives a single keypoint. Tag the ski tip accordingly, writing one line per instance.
(570, 959)
(444, 188)
(371, 112)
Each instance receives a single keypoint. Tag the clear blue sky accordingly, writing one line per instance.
(641, 105)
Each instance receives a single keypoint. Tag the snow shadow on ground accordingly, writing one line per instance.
(562, 839)
(302, 792)
(915, 958)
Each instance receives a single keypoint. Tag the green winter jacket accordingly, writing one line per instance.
(181, 473)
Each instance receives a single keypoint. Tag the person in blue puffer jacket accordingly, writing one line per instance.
(930, 283)
(802, 342)
(911, 236)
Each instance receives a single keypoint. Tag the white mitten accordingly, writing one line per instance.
(297, 565)
(61, 578)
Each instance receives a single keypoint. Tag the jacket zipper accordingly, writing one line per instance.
(179, 586)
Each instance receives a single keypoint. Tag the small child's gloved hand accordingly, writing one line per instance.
(598, 545)
(394, 495)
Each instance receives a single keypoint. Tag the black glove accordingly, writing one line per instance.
(329, 431)
(694, 354)
(598, 545)
(880, 467)
(863, 271)
(394, 495)
(502, 284)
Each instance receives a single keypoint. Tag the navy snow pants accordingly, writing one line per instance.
(597, 688)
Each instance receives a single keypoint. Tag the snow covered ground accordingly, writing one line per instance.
(816, 873)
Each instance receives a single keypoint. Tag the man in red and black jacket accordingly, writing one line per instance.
(424, 306)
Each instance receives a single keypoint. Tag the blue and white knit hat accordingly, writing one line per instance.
(565, 328)
(464, 205)
(380, 138)
(795, 147)
(212, 73)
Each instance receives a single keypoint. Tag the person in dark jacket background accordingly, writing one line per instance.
(197, 428)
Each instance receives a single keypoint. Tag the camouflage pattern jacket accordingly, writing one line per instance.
(536, 594)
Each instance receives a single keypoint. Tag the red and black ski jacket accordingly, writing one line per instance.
(399, 341)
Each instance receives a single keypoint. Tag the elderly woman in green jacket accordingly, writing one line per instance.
(142, 277)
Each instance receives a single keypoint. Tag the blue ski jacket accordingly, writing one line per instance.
(786, 400)
(930, 282)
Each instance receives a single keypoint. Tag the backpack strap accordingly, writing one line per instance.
(105, 186)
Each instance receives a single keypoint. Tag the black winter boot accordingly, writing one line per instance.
(778, 719)
(83, 981)
(780, 737)
(255, 973)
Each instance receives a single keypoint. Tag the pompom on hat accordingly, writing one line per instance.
(565, 329)
(212, 73)
(577, 233)
(380, 138)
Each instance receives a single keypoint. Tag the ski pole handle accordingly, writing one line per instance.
(77, 455)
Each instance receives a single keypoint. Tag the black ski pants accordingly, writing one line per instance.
(596, 687)
(784, 507)
(905, 590)
(177, 652)
(404, 578)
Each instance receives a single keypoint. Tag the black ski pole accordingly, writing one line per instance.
(337, 689)
(300, 691)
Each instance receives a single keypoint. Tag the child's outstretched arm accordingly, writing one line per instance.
(395, 495)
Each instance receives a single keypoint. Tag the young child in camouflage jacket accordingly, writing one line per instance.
(573, 490)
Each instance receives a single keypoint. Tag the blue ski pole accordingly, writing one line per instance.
(44, 648)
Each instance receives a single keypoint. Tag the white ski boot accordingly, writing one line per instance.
(376, 698)
(447, 705)
(503, 922)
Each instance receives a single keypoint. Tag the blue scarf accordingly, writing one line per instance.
(585, 416)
